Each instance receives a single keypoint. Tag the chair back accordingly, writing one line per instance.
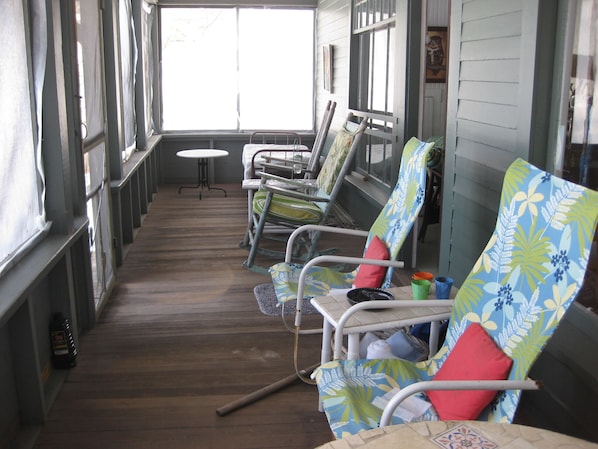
(397, 217)
(529, 273)
(313, 165)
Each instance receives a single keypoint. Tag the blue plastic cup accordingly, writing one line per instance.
(443, 287)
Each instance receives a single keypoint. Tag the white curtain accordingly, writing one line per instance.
(99, 221)
(90, 63)
(148, 19)
(96, 167)
(128, 62)
(22, 215)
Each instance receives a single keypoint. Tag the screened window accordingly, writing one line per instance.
(373, 73)
(577, 159)
(94, 142)
(581, 142)
(237, 69)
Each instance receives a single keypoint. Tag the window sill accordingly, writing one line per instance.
(228, 135)
(17, 283)
(134, 162)
(367, 189)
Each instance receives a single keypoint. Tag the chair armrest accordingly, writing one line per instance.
(292, 169)
(342, 259)
(279, 165)
(295, 170)
(286, 161)
(319, 228)
(285, 186)
(287, 169)
(418, 387)
(255, 183)
(258, 153)
(292, 183)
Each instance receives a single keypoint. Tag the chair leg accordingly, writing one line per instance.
(257, 233)
(313, 244)
(245, 242)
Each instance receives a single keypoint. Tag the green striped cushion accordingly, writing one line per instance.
(288, 209)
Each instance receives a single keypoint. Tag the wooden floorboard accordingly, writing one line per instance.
(181, 336)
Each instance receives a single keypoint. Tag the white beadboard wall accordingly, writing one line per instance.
(334, 28)
(438, 13)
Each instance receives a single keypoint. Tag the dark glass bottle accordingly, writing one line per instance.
(64, 351)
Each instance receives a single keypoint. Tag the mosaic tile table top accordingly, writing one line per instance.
(459, 435)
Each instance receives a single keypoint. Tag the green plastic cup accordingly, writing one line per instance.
(421, 288)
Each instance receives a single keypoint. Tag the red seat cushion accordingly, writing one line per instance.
(371, 276)
(475, 356)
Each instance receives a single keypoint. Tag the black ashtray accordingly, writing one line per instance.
(358, 295)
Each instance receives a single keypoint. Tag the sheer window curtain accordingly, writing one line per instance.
(128, 63)
(90, 78)
(22, 215)
(96, 168)
(149, 17)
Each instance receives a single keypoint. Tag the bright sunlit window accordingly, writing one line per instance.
(237, 69)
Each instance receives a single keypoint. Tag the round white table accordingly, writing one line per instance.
(459, 435)
(202, 156)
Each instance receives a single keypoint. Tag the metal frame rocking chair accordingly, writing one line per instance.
(289, 208)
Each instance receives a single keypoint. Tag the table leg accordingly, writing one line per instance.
(205, 179)
(353, 346)
(202, 179)
(199, 184)
(326, 339)
(434, 336)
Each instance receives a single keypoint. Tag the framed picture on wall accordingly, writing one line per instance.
(436, 54)
(327, 67)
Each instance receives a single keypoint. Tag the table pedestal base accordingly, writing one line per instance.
(202, 179)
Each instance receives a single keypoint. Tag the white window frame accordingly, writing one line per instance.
(373, 20)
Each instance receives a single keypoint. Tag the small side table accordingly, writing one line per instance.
(202, 156)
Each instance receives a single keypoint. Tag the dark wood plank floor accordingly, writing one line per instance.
(181, 336)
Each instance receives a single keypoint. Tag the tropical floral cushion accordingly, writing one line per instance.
(518, 290)
(392, 226)
(371, 276)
